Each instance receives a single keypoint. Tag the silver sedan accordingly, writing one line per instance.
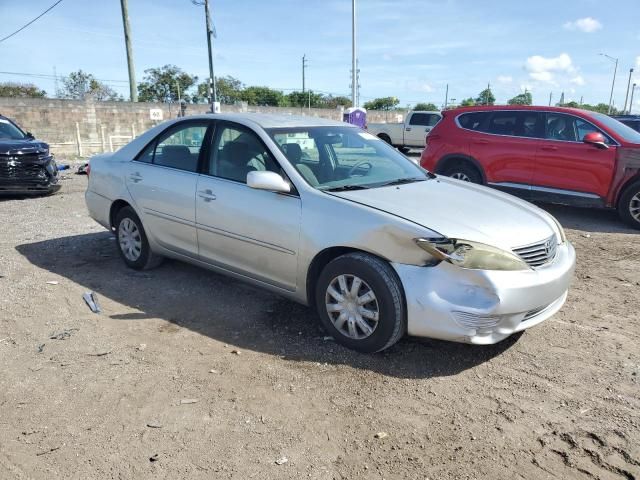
(332, 217)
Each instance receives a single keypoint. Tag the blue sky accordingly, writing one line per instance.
(407, 48)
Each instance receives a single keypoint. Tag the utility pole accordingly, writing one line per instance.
(550, 98)
(613, 83)
(212, 78)
(626, 97)
(446, 97)
(133, 90)
(633, 89)
(354, 81)
(304, 67)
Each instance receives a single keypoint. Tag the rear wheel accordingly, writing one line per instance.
(463, 171)
(359, 301)
(132, 241)
(629, 205)
(385, 137)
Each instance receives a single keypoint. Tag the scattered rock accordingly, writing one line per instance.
(236, 352)
(99, 354)
(141, 347)
(41, 347)
(586, 235)
(52, 282)
(213, 371)
(154, 425)
(187, 401)
(64, 334)
(282, 461)
(381, 435)
(154, 458)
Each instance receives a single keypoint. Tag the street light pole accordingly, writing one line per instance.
(613, 83)
(627, 95)
(354, 82)
(633, 89)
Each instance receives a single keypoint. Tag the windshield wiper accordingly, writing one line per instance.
(402, 181)
(345, 188)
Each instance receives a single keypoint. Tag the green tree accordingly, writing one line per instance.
(80, 85)
(161, 84)
(521, 99)
(468, 102)
(13, 89)
(427, 107)
(263, 96)
(228, 90)
(384, 103)
(302, 99)
(486, 97)
(334, 102)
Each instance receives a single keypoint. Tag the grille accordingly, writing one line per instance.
(21, 168)
(538, 254)
(471, 320)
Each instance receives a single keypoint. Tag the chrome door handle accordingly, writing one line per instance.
(408, 129)
(207, 195)
(135, 177)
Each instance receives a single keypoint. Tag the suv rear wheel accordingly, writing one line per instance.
(629, 205)
(463, 171)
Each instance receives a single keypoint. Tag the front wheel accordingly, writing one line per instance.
(359, 301)
(132, 241)
(629, 205)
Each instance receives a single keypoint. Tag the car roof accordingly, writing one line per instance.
(492, 108)
(268, 120)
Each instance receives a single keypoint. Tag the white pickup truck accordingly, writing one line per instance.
(410, 134)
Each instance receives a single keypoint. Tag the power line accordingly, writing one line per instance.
(26, 25)
(49, 76)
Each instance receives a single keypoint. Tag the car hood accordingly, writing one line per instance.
(21, 147)
(461, 210)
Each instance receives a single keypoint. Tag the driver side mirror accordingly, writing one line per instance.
(596, 139)
(30, 136)
(265, 180)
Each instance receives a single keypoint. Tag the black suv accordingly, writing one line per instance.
(632, 121)
(26, 166)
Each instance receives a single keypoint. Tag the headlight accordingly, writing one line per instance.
(472, 255)
(52, 168)
(563, 237)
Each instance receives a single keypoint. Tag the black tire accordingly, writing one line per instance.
(146, 259)
(384, 137)
(463, 171)
(629, 205)
(379, 277)
(404, 150)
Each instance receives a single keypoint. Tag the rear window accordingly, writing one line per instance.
(473, 120)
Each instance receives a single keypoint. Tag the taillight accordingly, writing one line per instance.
(88, 169)
(431, 137)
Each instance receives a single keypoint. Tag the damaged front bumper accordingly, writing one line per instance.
(27, 174)
(480, 306)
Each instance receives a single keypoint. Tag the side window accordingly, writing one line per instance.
(559, 126)
(503, 123)
(236, 152)
(585, 127)
(298, 147)
(420, 119)
(474, 120)
(147, 154)
(433, 119)
(180, 147)
(529, 125)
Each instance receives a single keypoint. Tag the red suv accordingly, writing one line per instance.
(550, 154)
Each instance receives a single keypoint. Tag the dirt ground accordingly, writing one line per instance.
(187, 374)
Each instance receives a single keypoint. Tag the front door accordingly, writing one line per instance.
(251, 232)
(567, 166)
(415, 132)
(162, 181)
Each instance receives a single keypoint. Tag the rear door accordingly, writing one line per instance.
(162, 181)
(505, 144)
(417, 127)
(568, 167)
(251, 232)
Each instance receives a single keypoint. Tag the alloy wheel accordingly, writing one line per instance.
(352, 306)
(634, 207)
(461, 176)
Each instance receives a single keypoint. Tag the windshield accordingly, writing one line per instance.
(625, 132)
(8, 131)
(343, 158)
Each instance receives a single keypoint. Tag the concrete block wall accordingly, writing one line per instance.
(76, 128)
